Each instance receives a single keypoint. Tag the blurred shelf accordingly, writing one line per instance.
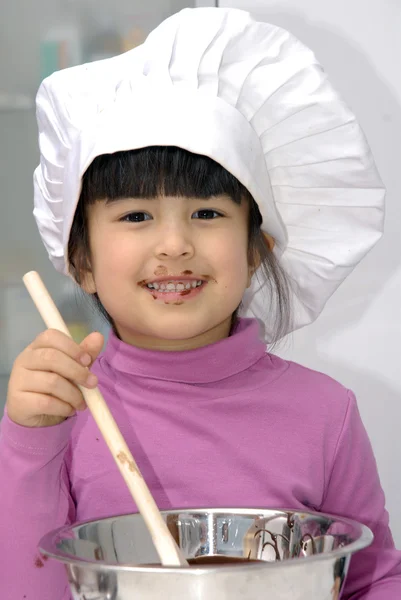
(15, 102)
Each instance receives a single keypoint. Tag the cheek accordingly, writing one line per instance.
(230, 253)
(114, 259)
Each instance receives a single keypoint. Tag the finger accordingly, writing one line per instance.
(52, 384)
(51, 338)
(56, 361)
(93, 344)
(44, 404)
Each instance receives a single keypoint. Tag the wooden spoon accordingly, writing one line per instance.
(167, 549)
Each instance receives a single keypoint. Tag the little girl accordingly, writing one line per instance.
(209, 175)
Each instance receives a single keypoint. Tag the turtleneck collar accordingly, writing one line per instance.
(207, 364)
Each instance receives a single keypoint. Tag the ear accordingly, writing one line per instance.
(269, 240)
(81, 271)
(270, 243)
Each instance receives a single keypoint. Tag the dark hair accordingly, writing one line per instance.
(171, 171)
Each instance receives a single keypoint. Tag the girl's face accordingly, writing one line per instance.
(147, 256)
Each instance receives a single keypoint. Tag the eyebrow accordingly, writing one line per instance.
(114, 201)
(121, 199)
(110, 201)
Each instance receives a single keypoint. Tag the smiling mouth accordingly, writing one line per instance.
(166, 287)
(170, 289)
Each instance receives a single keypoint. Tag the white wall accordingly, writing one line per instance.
(357, 338)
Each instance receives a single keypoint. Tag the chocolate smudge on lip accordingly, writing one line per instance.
(185, 292)
(160, 270)
(178, 303)
(187, 272)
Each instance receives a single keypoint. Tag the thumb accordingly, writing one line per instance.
(93, 344)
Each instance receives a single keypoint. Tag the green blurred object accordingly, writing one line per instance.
(60, 48)
(49, 58)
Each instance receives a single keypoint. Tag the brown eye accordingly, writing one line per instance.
(136, 217)
(206, 213)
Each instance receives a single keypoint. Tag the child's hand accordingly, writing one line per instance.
(42, 390)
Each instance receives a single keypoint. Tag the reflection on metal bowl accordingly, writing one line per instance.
(246, 554)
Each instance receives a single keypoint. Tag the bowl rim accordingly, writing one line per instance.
(47, 545)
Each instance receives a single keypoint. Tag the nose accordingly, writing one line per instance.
(174, 242)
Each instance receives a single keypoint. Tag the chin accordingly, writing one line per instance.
(179, 329)
(183, 327)
(176, 325)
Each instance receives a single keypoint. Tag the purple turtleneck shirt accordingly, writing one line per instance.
(224, 425)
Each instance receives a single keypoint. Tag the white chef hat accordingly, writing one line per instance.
(248, 95)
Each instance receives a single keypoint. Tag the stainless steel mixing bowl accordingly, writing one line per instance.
(305, 556)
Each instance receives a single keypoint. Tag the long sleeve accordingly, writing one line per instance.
(34, 499)
(354, 491)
